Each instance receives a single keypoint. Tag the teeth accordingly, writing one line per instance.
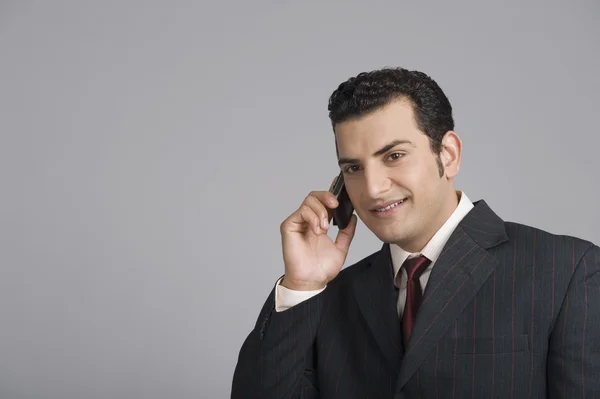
(387, 208)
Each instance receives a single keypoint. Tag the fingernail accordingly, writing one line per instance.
(325, 223)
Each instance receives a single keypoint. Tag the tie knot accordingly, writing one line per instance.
(416, 266)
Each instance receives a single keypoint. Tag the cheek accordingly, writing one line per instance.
(419, 180)
(354, 192)
(408, 177)
(357, 196)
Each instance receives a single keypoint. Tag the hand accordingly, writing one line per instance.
(311, 257)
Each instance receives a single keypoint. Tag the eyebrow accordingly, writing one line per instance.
(380, 151)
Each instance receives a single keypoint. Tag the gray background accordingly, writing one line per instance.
(149, 151)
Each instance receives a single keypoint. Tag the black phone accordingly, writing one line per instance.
(343, 213)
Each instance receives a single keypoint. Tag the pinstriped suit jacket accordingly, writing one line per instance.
(509, 311)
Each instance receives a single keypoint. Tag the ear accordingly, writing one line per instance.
(451, 154)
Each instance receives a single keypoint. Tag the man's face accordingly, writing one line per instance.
(392, 176)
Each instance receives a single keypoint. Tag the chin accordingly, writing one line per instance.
(390, 235)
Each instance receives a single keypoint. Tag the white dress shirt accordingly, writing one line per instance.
(286, 298)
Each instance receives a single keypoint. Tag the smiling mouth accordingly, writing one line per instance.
(390, 206)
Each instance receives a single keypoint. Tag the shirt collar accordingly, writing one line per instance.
(434, 247)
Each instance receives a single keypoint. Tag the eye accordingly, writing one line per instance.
(395, 156)
(352, 169)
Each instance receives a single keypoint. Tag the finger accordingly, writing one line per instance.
(345, 236)
(300, 221)
(308, 216)
(325, 197)
(319, 209)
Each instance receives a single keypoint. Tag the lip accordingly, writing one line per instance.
(390, 213)
(379, 206)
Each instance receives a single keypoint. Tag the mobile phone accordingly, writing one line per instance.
(344, 210)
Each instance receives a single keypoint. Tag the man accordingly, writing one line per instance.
(457, 303)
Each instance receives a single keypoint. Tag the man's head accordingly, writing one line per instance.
(395, 141)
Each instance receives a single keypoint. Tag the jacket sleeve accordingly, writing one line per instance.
(574, 347)
(277, 358)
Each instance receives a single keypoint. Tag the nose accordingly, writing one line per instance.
(377, 182)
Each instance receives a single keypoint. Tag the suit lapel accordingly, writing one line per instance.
(376, 297)
(462, 268)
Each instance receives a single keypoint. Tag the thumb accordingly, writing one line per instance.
(345, 236)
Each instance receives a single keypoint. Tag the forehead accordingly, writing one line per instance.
(394, 121)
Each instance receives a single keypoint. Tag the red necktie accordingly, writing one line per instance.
(414, 268)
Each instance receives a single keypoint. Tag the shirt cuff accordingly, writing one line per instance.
(286, 298)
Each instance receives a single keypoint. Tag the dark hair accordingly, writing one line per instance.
(370, 91)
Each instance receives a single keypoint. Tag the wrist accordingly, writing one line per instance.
(302, 285)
